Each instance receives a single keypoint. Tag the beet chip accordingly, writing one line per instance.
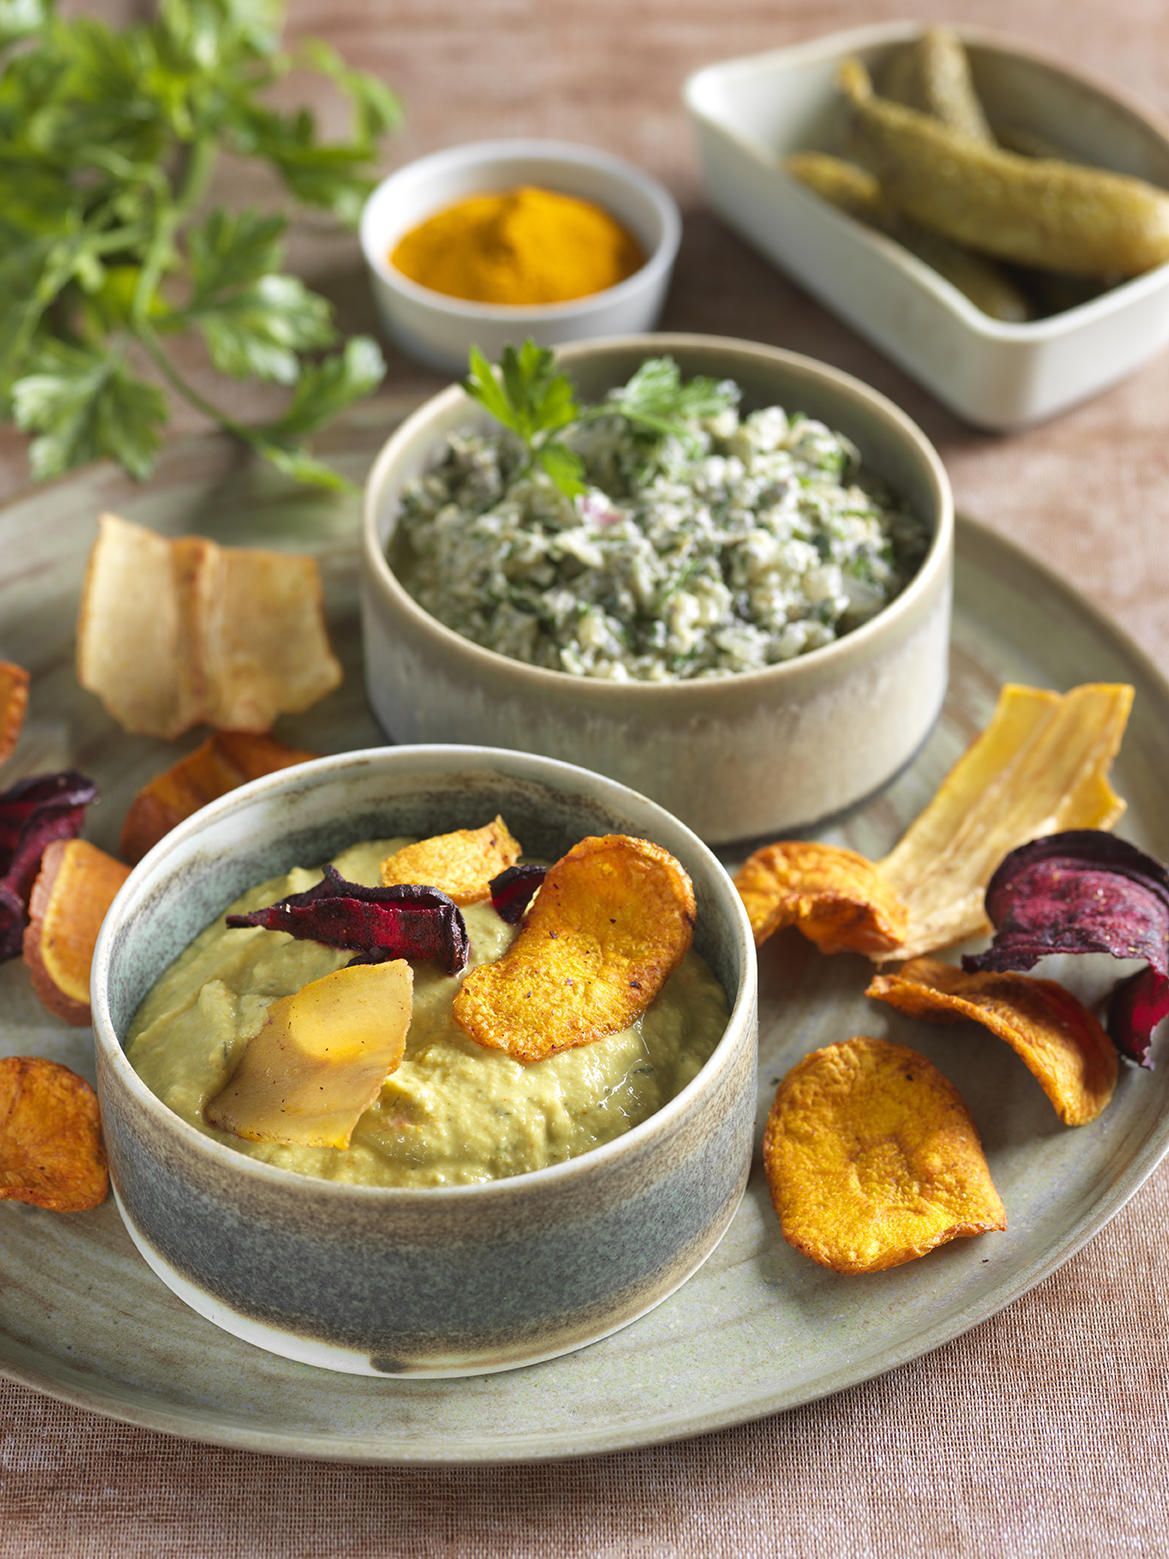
(1085, 891)
(512, 891)
(419, 924)
(33, 813)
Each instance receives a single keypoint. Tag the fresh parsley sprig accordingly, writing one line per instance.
(107, 139)
(537, 402)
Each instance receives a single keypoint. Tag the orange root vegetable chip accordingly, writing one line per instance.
(51, 1152)
(174, 632)
(13, 703)
(70, 897)
(462, 865)
(835, 897)
(225, 760)
(320, 1059)
(1058, 1039)
(873, 1160)
(1040, 766)
(613, 918)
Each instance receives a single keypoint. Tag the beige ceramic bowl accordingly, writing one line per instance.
(733, 756)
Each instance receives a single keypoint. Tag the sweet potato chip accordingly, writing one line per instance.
(174, 632)
(873, 1160)
(320, 1059)
(614, 917)
(13, 703)
(224, 761)
(33, 813)
(835, 897)
(70, 897)
(51, 1152)
(460, 865)
(1040, 766)
(1056, 1037)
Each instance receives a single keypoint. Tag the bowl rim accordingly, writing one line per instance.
(531, 766)
(378, 572)
(658, 261)
(843, 40)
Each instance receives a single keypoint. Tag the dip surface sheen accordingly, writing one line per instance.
(453, 1113)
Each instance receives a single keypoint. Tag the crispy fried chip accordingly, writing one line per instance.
(613, 918)
(873, 1160)
(461, 864)
(1040, 766)
(513, 890)
(320, 1059)
(70, 897)
(1058, 1039)
(51, 1152)
(13, 703)
(174, 632)
(835, 897)
(224, 761)
(33, 813)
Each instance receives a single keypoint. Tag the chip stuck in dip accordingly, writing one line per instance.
(241, 999)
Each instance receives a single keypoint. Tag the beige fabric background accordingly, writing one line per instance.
(1043, 1432)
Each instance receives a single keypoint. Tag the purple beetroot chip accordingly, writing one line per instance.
(419, 924)
(1085, 891)
(512, 891)
(34, 813)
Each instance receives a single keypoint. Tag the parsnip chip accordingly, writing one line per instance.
(70, 897)
(1056, 1037)
(839, 900)
(320, 1060)
(226, 760)
(174, 632)
(51, 1152)
(462, 865)
(13, 703)
(614, 916)
(1040, 766)
(873, 1160)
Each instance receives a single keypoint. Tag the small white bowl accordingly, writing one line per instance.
(749, 114)
(439, 329)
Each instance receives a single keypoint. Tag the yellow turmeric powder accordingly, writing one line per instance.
(520, 246)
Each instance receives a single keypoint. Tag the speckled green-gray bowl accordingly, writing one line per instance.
(444, 1281)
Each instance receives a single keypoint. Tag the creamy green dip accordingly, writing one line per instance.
(453, 1113)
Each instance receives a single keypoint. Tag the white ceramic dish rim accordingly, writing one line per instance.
(791, 671)
(532, 1182)
(859, 38)
(471, 154)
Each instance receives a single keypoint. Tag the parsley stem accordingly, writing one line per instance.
(153, 348)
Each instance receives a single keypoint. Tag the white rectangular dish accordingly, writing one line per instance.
(750, 113)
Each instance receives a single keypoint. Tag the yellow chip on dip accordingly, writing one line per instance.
(74, 889)
(51, 1152)
(461, 864)
(1057, 1038)
(1039, 767)
(837, 898)
(613, 918)
(320, 1059)
(873, 1160)
(13, 703)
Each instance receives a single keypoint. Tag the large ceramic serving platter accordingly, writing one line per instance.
(759, 1328)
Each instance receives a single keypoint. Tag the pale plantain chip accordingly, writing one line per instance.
(837, 898)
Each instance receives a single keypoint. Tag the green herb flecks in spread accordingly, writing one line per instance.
(661, 534)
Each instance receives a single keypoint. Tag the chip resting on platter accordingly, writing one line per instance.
(74, 889)
(173, 632)
(462, 864)
(13, 703)
(51, 1152)
(320, 1059)
(838, 899)
(614, 916)
(33, 813)
(873, 1160)
(1056, 1037)
(1040, 766)
(226, 760)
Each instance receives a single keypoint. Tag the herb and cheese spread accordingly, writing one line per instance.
(453, 1112)
(690, 541)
